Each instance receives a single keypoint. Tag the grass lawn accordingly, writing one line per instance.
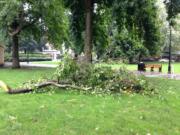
(73, 113)
(17, 77)
(176, 65)
(47, 62)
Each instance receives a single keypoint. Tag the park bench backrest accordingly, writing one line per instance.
(153, 65)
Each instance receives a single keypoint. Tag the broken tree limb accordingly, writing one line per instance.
(43, 85)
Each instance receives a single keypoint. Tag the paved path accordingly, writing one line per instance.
(157, 74)
(25, 64)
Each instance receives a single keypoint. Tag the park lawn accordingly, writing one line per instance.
(74, 113)
(17, 77)
(47, 62)
(132, 67)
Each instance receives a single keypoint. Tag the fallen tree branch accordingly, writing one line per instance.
(45, 84)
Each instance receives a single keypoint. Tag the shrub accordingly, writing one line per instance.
(101, 79)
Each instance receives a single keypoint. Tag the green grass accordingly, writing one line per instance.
(73, 113)
(132, 67)
(47, 62)
(176, 66)
(31, 55)
(16, 77)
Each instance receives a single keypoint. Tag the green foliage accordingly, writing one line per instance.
(101, 79)
(101, 17)
(140, 20)
(3, 39)
(102, 29)
(35, 18)
(126, 45)
(77, 23)
(29, 45)
(173, 8)
(31, 57)
(66, 69)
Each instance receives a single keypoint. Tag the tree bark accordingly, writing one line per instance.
(43, 85)
(15, 51)
(88, 35)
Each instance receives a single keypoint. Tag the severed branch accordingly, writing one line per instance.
(42, 85)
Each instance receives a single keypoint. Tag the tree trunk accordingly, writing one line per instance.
(75, 56)
(131, 60)
(15, 51)
(140, 56)
(88, 35)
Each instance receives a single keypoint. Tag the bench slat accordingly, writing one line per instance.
(153, 66)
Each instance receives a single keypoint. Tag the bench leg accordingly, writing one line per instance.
(152, 69)
(160, 69)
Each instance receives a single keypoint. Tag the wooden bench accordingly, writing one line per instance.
(153, 66)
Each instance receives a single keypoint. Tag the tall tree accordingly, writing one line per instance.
(173, 8)
(83, 24)
(140, 21)
(77, 24)
(102, 29)
(28, 17)
(138, 17)
(89, 4)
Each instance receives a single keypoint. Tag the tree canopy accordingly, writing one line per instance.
(86, 25)
(138, 18)
(173, 8)
(38, 18)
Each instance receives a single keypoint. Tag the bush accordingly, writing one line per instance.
(32, 57)
(66, 69)
(100, 79)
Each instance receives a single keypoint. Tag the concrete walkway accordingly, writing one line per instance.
(157, 74)
(31, 65)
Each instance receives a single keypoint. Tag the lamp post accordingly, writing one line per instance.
(170, 46)
(170, 41)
